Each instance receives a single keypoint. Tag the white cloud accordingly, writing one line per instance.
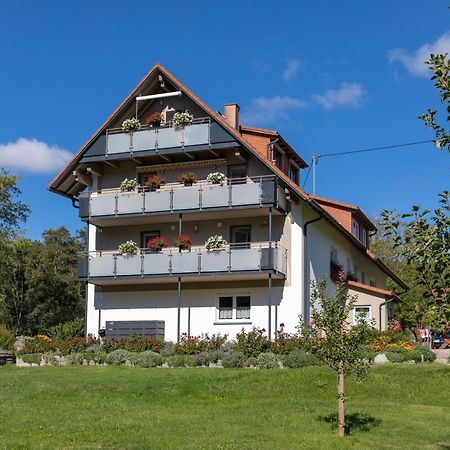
(264, 110)
(415, 61)
(292, 69)
(349, 94)
(33, 156)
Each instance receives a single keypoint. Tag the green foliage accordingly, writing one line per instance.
(118, 357)
(148, 359)
(202, 359)
(39, 344)
(75, 359)
(399, 355)
(267, 361)
(191, 345)
(12, 210)
(34, 358)
(251, 362)
(424, 242)
(71, 329)
(252, 343)
(234, 359)
(340, 345)
(300, 358)
(286, 342)
(50, 359)
(6, 338)
(440, 66)
(176, 361)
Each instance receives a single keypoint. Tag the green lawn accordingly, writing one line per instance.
(401, 406)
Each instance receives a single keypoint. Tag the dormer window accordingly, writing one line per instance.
(293, 173)
(355, 229)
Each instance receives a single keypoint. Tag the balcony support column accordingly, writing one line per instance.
(269, 304)
(270, 239)
(179, 309)
(180, 224)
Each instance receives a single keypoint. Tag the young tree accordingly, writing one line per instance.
(339, 345)
(12, 210)
(440, 65)
(423, 239)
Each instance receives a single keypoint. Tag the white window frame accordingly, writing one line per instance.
(355, 314)
(233, 319)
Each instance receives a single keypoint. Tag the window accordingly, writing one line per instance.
(355, 229)
(240, 236)
(293, 173)
(237, 173)
(365, 240)
(361, 313)
(147, 236)
(233, 307)
(333, 255)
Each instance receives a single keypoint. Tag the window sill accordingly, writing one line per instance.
(233, 322)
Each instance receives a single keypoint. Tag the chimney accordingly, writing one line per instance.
(231, 113)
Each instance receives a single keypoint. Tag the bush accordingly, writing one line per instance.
(75, 344)
(75, 359)
(33, 358)
(215, 356)
(99, 357)
(190, 360)
(50, 359)
(395, 356)
(67, 330)
(202, 359)
(234, 359)
(285, 342)
(176, 361)
(6, 339)
(300, 358)
(251, 362)
(419, 351)
(148, 359)
(191, 345)
(252, 343)
(118, 357)
(267, 361)
(39, 344)
(139, 343)
(168, 349)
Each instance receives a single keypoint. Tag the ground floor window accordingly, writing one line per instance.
(234, 307)
(361, 312)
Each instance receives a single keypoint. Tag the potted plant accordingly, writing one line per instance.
(215, 242)
(215, 178)
(188, 179)
(183, 242)
(129, 185)
(157, 244)
(336, 271)
(131, 124)
(351, 276)
(154, 182)
(154, 119)
(128, 248)
(181, 119)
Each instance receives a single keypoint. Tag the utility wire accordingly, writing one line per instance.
(372, 149)
(307, 175)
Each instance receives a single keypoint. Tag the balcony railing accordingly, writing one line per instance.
(251, 257)
(151, 138)
(237, 192)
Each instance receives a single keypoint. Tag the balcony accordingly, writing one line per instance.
(254, 192)
(154, 139)
(103, 267)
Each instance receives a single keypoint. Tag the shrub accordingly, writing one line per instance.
(234, 359)
(190, 360)
(267, 361)
(201, 359)
(39, 344)
(148, 359)
(99, 357)
(118, 357)
(50, 359)
(419, 351)
(191, 345)
(215, 356)
(176, 361)
(285, 342)
(394, 356)
(252, 343)
(31, 358)
(139, 343)
(75, 344)
(300, 358)
(75, 359)
(6, 339)
(67, 330)
(251, 362)
(168, 349)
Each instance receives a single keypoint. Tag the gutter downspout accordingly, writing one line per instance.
(306, 306)
(389, 300)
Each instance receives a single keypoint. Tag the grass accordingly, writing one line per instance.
(396, 407)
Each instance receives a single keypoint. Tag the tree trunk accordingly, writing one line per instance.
(341, 400)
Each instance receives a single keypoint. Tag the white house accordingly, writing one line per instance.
(278, 237)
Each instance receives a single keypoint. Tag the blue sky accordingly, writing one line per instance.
(330, 76)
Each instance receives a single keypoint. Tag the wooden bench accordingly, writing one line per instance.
(6, 357)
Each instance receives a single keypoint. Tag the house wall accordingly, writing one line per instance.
(374, 301)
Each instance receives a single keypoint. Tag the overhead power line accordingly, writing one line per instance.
(315, 158)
